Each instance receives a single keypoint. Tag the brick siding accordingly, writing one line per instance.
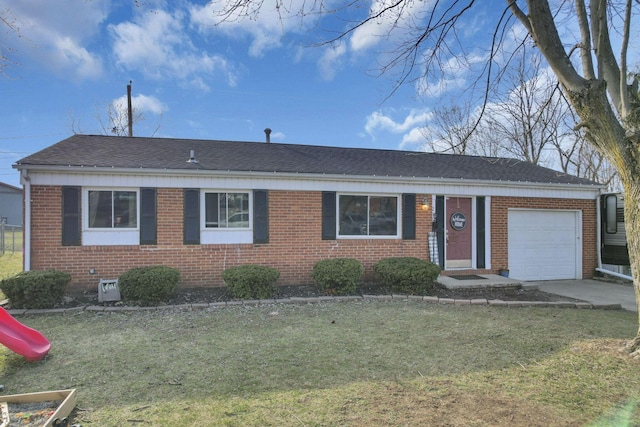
(295, 243)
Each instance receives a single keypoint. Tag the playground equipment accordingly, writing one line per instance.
(21, 339)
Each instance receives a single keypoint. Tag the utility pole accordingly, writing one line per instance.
(129, 109)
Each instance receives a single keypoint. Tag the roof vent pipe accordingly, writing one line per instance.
(192, 157)
(267, 132)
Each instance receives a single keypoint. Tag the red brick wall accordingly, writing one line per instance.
(295, 243)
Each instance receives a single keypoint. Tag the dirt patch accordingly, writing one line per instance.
(221, 294)
(444, 404)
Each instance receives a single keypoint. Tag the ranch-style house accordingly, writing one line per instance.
(96, 206)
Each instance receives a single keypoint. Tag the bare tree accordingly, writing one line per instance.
(578, 157)
(529, 119)
(115, 121)
(531, 122)
(604, 98)
(8, 25)
(449, 130)
(603, 94)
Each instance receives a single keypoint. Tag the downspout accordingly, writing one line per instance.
(25, 180)
(600, 269)
(599, 231)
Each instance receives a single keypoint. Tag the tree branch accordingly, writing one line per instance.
(545, 34)
(608, 69)
(585, 44)
(625, 102)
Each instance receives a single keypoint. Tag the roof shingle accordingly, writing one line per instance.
(172, 154)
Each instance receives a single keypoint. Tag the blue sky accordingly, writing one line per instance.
(70, 59)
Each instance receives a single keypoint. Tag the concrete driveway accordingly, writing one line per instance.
(592, 291)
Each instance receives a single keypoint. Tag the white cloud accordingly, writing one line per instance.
(141, 103)
(380, 121)
(69, 56)
(394, 20)
(265, 29)
(331, 60)
(57, 34)
(413, 139)
(157, 45)
(410, 127)
(453, 75)
(278, 136)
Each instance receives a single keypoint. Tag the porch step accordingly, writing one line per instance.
(484, 281)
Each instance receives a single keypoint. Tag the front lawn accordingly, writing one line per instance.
(10, 264)
(358, 363)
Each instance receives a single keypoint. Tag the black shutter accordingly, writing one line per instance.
(191, 216)
(148, 219)
(439, 228)
(408, 216)
(260, 216)
(71, 216)
(328, 215)
(480, 232)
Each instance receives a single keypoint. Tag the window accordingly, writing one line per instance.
(226, 210)
(112, 209)
(368, 215)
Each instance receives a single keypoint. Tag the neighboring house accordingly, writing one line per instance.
(10, 204)
(99, 205)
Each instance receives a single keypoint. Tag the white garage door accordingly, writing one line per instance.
(545, 245)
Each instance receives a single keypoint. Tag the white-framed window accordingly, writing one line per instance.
(112, 209)
(368, 215)
(226, 210)
(111, 216)
(226, 217)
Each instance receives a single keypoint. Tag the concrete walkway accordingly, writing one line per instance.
(592, 291)
(596, 292)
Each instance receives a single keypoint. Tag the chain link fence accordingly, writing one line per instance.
(11, 237)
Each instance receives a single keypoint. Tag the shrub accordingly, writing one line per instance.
(407, 275)
(149, 285)
(35, 289)
(339, 276)
(251, 281)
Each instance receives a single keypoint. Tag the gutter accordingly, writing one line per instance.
(304, 175)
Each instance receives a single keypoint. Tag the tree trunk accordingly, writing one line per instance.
(606, 134)
(632, 227)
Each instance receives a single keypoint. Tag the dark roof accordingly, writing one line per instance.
(172, 154)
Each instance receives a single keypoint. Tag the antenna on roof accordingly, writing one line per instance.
(192, 157)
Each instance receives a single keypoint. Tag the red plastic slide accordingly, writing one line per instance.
(22, 339)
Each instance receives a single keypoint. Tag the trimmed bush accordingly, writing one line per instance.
(407, 275)
(149, 285)
(35, 289)
(337, 276)
(251, 281)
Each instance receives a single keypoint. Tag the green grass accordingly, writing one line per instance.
(13, 240)
(10, 264)
(345, 363)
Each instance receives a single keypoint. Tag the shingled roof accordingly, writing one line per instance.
(172, 154)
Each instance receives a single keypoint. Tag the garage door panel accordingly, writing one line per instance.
(543, 244)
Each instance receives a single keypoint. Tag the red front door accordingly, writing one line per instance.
(458, 237)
